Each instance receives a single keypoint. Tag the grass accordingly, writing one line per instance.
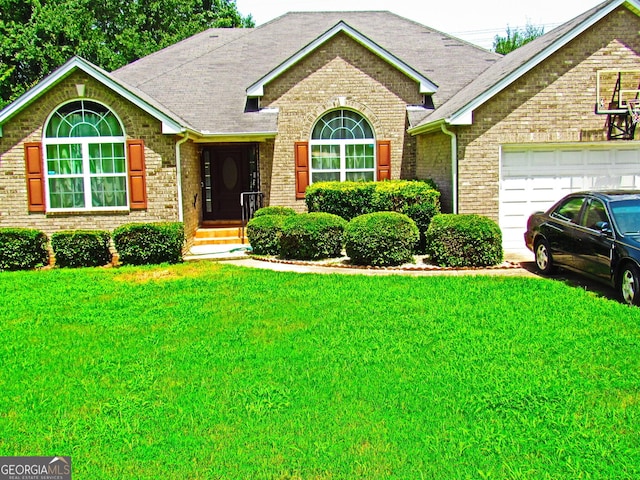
(209, 371)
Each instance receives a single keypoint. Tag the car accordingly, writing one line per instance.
(593, 233)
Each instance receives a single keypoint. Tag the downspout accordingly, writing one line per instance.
(179, 173)
(454, 164)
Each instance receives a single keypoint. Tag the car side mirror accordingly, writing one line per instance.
(604, 228)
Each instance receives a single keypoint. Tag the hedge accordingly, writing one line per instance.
(263, 232)
(381, 239)
(81, 248)
(312, 236)
(464, 241)
(22, 249)
(149, 243)
(418, 199)
(274, 210)
(345, 199)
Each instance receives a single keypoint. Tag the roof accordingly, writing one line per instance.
(228, 65)
(458, 110)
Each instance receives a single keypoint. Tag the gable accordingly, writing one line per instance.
(460, 108)
(425, 85)
(349, 69)
(169, 124)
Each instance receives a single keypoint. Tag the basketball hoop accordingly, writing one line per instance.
(634, 110)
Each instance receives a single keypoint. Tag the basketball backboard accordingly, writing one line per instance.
(617, 91)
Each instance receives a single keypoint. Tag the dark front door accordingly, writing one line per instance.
(224, 177)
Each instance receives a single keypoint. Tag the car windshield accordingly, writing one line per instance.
(626, 214)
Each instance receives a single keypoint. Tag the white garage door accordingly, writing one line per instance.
(533, 179)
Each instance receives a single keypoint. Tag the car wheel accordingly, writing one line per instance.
(544, 261)
(629, 284)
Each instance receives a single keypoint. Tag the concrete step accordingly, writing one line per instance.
(219, 236)
(218, 232)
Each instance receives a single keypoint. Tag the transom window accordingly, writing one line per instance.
(84, 149)
(342, 148)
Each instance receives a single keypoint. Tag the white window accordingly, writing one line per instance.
(85, 163)
(342, 148)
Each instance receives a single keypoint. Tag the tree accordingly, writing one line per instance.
(37, 36)
(516, 38)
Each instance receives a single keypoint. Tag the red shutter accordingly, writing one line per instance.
(35, 176)
(384, 160)
(137, 175)
(302, 168)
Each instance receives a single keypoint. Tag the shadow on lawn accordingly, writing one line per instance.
(575, 280)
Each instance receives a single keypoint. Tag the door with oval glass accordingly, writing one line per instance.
(224, 178)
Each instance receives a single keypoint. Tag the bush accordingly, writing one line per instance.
(464, 241)
(311, 236)
(81, 248)
(149, 243)
(274, 210)
(381, 239)
(22, 249)
(263, 232)
(345, 199)
(419, 200)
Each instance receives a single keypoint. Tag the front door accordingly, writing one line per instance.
(224, 178)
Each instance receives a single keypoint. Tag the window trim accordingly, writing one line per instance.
(342, 144)
(86, 174)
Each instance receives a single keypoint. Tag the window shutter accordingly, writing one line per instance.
(35, 176)
(384, 159)
(137, 175)
(302, 168)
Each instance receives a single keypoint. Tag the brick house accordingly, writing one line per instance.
(180, 134)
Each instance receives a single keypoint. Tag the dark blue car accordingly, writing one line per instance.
(594, 233)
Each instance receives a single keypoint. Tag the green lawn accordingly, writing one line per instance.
(209, 371)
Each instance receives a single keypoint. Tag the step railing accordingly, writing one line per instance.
(249, 203)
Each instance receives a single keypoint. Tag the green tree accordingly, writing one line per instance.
(37, 36)
(516, 38)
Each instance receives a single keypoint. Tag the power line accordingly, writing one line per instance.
(485, 37)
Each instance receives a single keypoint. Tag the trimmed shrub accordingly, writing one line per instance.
(263, 232)
(311, 236)
(81, 248)
(274, 210)
(149, 243)
(345, 199)
(464, 241)
(418, 199)
(22, 249)
(381, 239)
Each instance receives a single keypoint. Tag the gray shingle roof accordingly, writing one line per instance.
(524, 57)
(203, 79)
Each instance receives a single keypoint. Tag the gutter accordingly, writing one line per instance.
(179, 173)
(454, 165)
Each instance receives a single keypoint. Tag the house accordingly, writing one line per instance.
(181, 134)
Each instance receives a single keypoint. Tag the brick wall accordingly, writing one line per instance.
(553, 103)
(341, 73)
(27, 126)
(434, 162)
(191, 191)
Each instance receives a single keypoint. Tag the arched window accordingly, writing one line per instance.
(342, 148)
(84, 149)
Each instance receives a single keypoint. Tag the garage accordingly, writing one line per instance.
(532, 178)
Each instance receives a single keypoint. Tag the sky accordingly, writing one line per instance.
(476, 21)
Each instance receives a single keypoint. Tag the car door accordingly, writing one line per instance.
(561, 230)
(594, 245)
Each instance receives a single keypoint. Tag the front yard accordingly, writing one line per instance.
(213, 371)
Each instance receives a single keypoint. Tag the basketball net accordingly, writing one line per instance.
(634, 110)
